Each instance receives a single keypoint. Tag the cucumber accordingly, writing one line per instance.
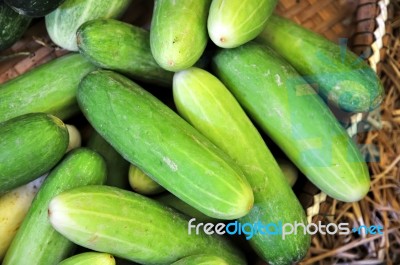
(34, 8)
(62, 23)
(49, 88)
(74, 137)
(337, 74)
(117, 166)
(36, 241)
(30, 145)
(151, 136)
(141, 183)
(201, 259)
(12, 26)
(138, 229)
(89, 258)
(184, 208)
(98, 38)
(198, 96)
(178, 34)
(13, 208)
(235, 22)
(289, 170)
(297, 120)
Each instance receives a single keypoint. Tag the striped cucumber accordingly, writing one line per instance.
(235, 22)
(30, 145)
(199, 96)
(49, 88)
(34, 8)
(89, 258)
(98, 38)
(12, 26)
(141, 183)
(62, 23)
(153, 137)
(201, 259)
(36, 241)
(338, 75)
(178, 34)
(138, 229)
(13, 208)
(295, 118)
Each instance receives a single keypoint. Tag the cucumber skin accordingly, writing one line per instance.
(34, 8)
(342, 78)
(201, 260)
(139, 229)
(299, 122)
(199, 96)
(89, 258)
(98, 38)
(30, 145)
(62, 23)
(235, 22)
(166, 147)
(49, 88)
(12, 26)
(178, 34)
(36, 241)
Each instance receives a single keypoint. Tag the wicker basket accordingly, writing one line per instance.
(372, 30)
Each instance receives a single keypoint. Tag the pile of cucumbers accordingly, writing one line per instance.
(235, 71)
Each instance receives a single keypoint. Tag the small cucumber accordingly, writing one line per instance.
(98, 38)
(296, 119)
(178, 34)
(34, 8)
(89, 258)
(30, 145)
(131, 226)
(336, 73)
(36, 241)
(12, 26)
(290, 171)
(62, 23)
(153, 137)
(199, 96)
(74, 137)
(49, 88)
(201, 259)
(141, 183)
(117, 166)
(235, 22)
(13, 208)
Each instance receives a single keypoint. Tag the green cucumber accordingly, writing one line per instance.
(131, 226)
(297, 120)
(289, 170)
(201, 259)
(62, 23)
(337, 74)
(235, 22)
(30, 145)
(98, 38)
(117, 166)
(49, 88)
(178, 34)
(199, 96)
(12, 26)
(141, 183)
(151, 136)
(89, 258)
(184, 208)
(36, 242)
(34, 8)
